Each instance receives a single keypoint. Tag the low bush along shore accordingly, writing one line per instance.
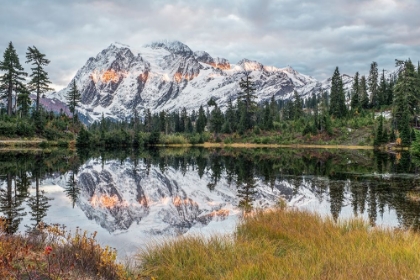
(276, 244)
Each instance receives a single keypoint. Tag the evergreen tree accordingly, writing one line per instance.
(183, 120)
(355, 97)
(201, 122)
(268, 117)
(364, 97)
(390, 91)
(408, 84)
(216, 120)
(230, 123)
(13, 76)
(274, 109)
(24, 101)
(337, 98)
(373, 85)
(383, 90)
(297, 106)
(406, 95)
(73, 98)
(379, 132)
(148, 120)
(40, 81)
(247, 96)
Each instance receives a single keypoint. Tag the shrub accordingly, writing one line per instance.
(194, 138)
(7, 128)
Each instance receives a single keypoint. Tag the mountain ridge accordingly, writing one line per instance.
(169, 75)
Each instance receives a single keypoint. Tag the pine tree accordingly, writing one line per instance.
(355, 97)
(13, 77)
(337, 98)
(73, 98)
(40, 81)
(373, 84)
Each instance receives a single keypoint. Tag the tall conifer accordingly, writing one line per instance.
(73, 98)
(12, 78)
(40, 81)
(337, 98)
(355, 97)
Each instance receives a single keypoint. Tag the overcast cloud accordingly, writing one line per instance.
(311, 36)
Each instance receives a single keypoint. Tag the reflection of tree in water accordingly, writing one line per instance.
(38, 203)
(336, 198)
(71, 189)
(11, 200)
(358, 198)
(216, 167)
(245, 184)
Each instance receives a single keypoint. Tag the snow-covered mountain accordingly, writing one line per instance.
(168, 75)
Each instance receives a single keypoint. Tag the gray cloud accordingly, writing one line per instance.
(311, 36)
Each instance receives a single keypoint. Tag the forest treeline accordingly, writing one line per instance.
(322, 116)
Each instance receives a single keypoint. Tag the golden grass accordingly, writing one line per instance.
(289, 244)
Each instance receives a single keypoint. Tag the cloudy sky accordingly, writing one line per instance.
(312, 36)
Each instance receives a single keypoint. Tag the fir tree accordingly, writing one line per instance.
(355, 97)
(13, 76)
(216, 119)
(383, 90)
(24, 101)
(364, 97)
(201, 122)
(337, 98)
(73, 98)
(297, 106)
(230, 122)
(373, 85)
(247, 96)
(40, 81)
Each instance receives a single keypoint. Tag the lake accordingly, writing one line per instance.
(134, 198)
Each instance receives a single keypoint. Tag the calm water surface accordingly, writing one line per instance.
(135, 198)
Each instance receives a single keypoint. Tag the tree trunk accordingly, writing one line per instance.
(9, 99)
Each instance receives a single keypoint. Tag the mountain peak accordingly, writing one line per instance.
(175, 47)
(250, 65)
(120, 45)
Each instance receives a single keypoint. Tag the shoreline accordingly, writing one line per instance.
(35, 144)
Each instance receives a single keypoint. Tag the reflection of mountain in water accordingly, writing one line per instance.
(118, 195)
(173, 191)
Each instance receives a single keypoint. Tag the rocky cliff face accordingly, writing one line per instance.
(168, 75)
